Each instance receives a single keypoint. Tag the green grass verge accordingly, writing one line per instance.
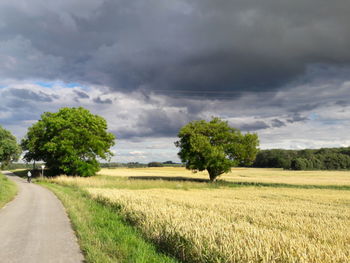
(103, 234)
(8, 190)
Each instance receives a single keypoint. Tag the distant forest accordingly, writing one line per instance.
(308, 159)
(140, 165)
(103, 165)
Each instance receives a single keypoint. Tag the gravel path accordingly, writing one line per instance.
(34, 227)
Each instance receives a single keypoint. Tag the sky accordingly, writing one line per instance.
(277, 68)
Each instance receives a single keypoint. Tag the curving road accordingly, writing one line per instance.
(34, 227)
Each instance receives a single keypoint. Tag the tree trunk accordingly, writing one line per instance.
(212, 174)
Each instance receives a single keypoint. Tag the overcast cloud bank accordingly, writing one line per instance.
(278, 68)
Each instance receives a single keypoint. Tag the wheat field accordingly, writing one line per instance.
(257, 175)
(242, 224)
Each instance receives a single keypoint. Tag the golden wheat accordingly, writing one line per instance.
(246, 224)
(256, 175)
(241, 225)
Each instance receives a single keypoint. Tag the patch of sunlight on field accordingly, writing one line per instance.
(248, 224)
(257, 175)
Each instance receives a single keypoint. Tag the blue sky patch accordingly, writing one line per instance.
(51, 84)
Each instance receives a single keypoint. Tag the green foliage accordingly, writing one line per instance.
(8, 190)
(13, 166)
(9, 149)
(169, 162)
(103, 234)
(123, 165)
(308, 159)
(335, 161)
(155, 164)
(299, 164)
(69, 141)
(275, 158)
(215, 146)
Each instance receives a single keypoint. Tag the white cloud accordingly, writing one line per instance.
(146, 126)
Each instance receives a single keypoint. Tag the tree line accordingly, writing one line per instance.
(307, 159)
(9, 149)
(72, 141)
(139, 165)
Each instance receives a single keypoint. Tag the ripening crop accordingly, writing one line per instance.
(201, 222)
(247, 224)
(256, 175)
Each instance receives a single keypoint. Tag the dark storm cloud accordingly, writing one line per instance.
(24, 94)
(297, 118)
(305, 107)
(98, 100)
(20, 117)
(342, 103)
(156, 123)
(254, 126)
(81, 95)
(277, 123)
(179, 48)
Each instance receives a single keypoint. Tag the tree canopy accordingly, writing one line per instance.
(215, 146)
(69, 141)
(307, 159)
(9, 149)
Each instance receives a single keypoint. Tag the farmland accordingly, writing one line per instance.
(204, 222)
(256, 175)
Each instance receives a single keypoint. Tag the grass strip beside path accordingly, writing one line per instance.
(103, 234)
(8, 190)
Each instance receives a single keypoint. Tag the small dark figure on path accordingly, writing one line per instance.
(29, 176)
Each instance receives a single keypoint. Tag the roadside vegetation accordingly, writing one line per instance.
(69, 141)
(209, 222)
(8, 190)
(9, 149)
(103, 234)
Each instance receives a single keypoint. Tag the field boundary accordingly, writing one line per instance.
(104, 235)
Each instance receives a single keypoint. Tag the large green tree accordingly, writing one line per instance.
(9, 149)
(215, 146)
(69, 141)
